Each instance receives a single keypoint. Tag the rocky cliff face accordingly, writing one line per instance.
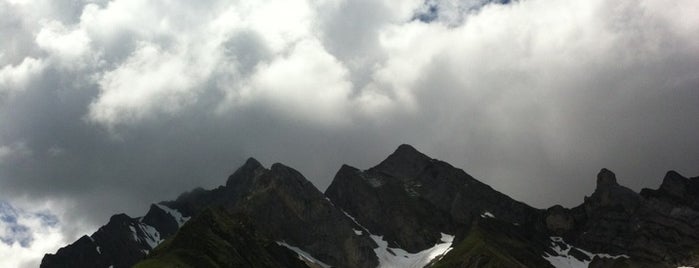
(654, 228)
(408, 211)
(289, 208)
(410, 199)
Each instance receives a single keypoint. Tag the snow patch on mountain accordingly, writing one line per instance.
(487, 214)
(150, 235)
(399, 258)
(181, 220)
(146, 234)
(563, 259)
(303, 255)
(134, 233)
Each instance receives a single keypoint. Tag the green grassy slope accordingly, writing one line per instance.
(492, 243)
(216, 239)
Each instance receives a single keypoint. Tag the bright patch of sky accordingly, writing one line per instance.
(26, 235)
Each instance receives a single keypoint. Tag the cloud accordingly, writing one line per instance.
(15, 78)
(25, 235)
(451, 12)
(151, 81)
(111, 105)
(68, 46)
(14, 151)
(308, 83)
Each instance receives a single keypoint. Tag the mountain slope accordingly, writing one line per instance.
(287, 207)
(279, 201)
(494, 243)
(121, 242)
(216, 239)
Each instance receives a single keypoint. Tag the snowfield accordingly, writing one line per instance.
(399, 258)
(564, 260)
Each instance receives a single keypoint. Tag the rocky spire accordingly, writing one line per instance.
(606, 178)
(246, 171)
(610, 193)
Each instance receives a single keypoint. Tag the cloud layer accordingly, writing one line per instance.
(109, 105)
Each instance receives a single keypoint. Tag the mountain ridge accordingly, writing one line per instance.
(402, 208)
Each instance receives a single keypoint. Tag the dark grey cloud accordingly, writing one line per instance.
(106, 107)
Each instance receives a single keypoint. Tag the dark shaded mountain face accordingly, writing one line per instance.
(121, 242)
(279, 201)
(656, 227)
(410, 199)
(215, 238)
(408, 211)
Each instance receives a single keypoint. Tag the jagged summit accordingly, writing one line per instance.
(676, 189)
(407, 149)
(606, 178)
(674, 183)
(279, 167)
(119, 218)
(249, 169)
(405, 161)
(252, 163)
(609, 193)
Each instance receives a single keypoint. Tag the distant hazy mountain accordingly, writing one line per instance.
(408, 211)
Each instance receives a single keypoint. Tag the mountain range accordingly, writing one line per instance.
(410, 210)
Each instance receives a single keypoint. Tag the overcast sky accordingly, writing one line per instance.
(107, 106)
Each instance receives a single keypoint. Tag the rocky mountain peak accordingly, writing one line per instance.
(288, 176)
(406, 161)
(250, 169)
(674, 183)
(610, 193)
(606, 178)
(120, 219)
(407, 149)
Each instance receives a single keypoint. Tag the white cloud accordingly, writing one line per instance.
(307, 84)
(151, 81)
(71, 48)
(16, 77)
(280, 22)
(44, 235)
